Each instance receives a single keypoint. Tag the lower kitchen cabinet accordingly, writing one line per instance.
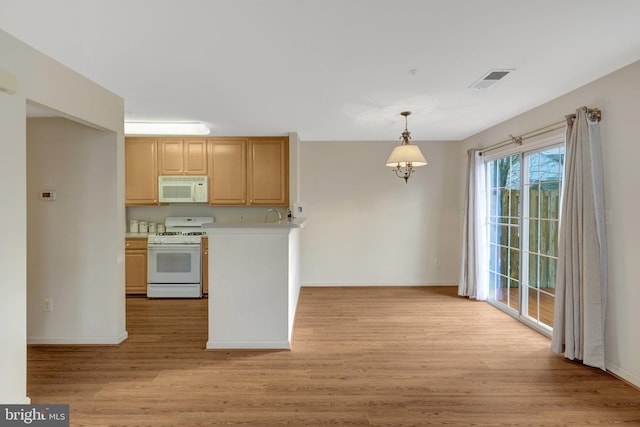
(205, 265)
(135, 261)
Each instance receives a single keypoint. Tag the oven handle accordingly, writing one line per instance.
(194, 246)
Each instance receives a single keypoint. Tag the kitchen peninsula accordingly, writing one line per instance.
(254, 283)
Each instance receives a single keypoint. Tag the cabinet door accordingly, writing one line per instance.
(205, 265)
(135, 260)
(195, 156)
(141, 171)
(171, 156)
(228, 172)
(268, 171)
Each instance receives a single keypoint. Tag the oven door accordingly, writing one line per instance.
(173, 263)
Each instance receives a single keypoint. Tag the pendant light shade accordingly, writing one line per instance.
(405, 156)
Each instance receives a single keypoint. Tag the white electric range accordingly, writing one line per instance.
(174, 267)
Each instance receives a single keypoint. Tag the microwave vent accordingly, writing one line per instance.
(183, 179)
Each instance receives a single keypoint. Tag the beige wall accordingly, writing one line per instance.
(48, 83)
(70, 255)
(618, 96)
(367, 227)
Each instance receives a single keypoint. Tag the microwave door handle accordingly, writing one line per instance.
(193, 191)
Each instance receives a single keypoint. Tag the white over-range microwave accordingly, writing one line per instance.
(182, 189)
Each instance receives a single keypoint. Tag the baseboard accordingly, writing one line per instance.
(347, 284)
(248, 345)
(623, 374)
(77, 340)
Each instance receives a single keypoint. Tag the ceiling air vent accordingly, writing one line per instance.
(490, 78)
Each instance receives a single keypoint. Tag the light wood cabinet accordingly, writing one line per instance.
(182, 156)
(135, 260)
(268, 171)
(249, 171)
(228, 172)
(141, 171)
(205, 265)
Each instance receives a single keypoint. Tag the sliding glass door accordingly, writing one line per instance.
(523, 200)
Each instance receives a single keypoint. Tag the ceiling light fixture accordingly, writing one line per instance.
(165, 128)
(405, 156)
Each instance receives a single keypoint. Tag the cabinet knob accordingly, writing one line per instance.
(128, 244)
(206, 253)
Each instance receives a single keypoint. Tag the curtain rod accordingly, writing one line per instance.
(593, 114)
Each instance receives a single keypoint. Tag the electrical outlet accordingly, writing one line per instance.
(48, 304)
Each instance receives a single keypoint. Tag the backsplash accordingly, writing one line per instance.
(223, 214)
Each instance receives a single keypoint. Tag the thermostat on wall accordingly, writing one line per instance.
(48, 195)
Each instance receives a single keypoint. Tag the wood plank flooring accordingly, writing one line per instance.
(372, 356)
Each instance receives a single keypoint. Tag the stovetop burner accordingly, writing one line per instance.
(182, 233)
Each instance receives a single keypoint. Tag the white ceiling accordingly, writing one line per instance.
(332, 69)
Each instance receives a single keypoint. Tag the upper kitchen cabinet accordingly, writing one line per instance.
(182, 156)
(268, 171)
(141, 171)
(228, 171)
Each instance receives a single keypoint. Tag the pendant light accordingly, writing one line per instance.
(405, 156)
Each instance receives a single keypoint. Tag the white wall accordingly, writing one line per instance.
(618, 96)
(48, 83)
(13, 249)
(367, 227)
(69, 250)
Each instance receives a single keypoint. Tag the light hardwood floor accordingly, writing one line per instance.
(383, 356)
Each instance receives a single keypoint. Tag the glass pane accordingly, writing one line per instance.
(514, 203)
(502, 172)
(533, 270)
(543, 236)
(552, 268)
(502, 291)
(493, 233)
(533, 235)
(554, 202)
(491, 176)
(550, 165)
(532, 309)
(546, 308)
(503, 235)
(493, 283)
(534, 168)
(514, 172)
(553, 238)
(514, 241)
(550, 200)
(514, 296)
(545, 280)
(502, 202)
(534, 197)
(493, 257)
(493, 202)
(503, 266)
(514, 264)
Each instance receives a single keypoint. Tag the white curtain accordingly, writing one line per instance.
(581, 279)
(474, 265)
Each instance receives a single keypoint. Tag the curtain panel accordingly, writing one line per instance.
(473, 281)
(581, 280)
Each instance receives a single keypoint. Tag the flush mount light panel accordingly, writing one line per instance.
(165, 128)
(491, 77)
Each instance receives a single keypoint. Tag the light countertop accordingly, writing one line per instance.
(294, 223)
